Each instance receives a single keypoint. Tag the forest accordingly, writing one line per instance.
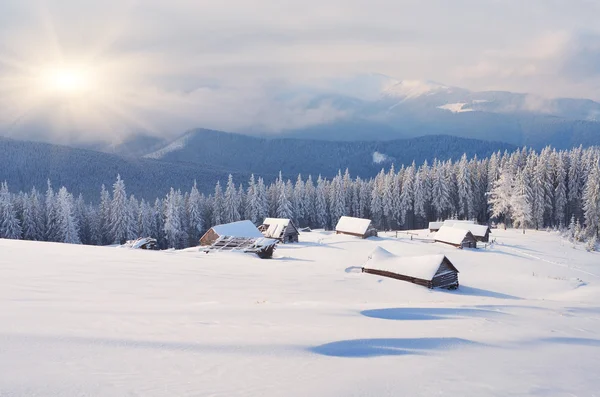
(524, 189)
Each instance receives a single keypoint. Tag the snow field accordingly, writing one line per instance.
(99, 321)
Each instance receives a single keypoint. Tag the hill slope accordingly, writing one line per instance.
(26, 164)
(100, 321)
(293, 156)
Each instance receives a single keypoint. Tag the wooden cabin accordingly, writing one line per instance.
(459, 238)
(431, 271)
(358, 227)
(261, 246)
(480, 232)
(280, 229)
(144, 243)
(435, 226)
(241, 229)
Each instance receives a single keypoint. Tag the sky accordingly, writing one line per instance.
(83, 69)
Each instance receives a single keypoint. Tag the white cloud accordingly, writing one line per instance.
(167, 66)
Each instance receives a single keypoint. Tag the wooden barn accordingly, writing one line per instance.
(459, 238)
(280, 229)
(435, 226)
(431, 271)
(480, 232)
(241, 229)
(358, 227)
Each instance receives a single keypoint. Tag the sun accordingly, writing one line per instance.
(67, 80)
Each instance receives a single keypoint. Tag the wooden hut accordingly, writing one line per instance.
(435, 226)
(280, 229)
(358, 227)
(241, 229)
(261, 246)
(431, 271)
(144, 243)
(459, 238)
(480, 232)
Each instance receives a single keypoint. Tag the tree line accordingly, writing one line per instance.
(556, 189)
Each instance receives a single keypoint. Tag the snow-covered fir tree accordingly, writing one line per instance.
(10, 226)
(230, 203)
(119, 213)
(67, 226)
(591, 201)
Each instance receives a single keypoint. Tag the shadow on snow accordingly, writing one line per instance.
(421, 313)
(389, 347)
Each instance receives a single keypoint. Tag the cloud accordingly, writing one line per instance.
(559, 63)
(167, 66)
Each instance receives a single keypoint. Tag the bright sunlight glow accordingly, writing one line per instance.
(68, 81)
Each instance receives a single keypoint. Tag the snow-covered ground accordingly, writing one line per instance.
(100, 321)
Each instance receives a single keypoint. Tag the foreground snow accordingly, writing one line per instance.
(102, 321)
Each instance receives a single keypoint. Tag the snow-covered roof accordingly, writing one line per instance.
(353, 225)
(238, 229)
(422, 267)
(435, 225)
(276, 226)
(450, 235)
(476, 230)
(451, 222)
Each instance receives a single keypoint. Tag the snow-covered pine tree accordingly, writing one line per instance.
(83, 219)
(298, 201)
(337, 199)
(133, 208)
(560, 191)
(355, 198)
(520, 208)
(51, 227)
(575, 184)
(251, 211)
(500, 197)
(119, 213)
(407, 197)
(440, 194)
(194, 208)
(309, 202)
(262, 200)
(377, 209)
(218, 206)
(283, 207)
(420, 194)
(172, 226)
(68, 229)
(465, 189)
(230, 203)
(10, 227)
(347, 189)
(364, 199)
(591, 201)
(158, 223)
(144, 220)
(104, 218)
(289, 193)
(321, 220)
(30, 218)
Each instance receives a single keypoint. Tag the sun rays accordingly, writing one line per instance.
(70, 86)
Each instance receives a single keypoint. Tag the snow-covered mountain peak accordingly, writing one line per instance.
(412, 88)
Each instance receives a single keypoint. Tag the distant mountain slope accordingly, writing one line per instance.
(394, 109)
(26, 164)
(293, 156)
